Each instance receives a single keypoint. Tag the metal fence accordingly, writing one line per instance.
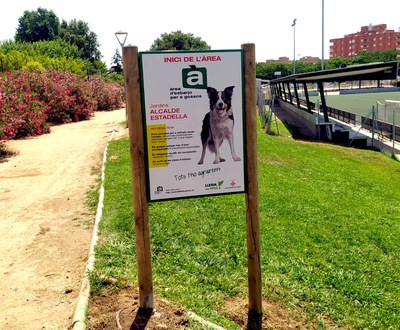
(380, 127)
(370, 123)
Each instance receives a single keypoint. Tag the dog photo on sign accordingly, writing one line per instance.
(218, 124)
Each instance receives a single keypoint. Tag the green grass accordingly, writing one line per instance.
(361, 104)
(330, 236)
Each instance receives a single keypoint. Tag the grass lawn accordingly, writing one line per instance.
(330, 236)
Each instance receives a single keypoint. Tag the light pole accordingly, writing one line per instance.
(294, 45)
(121, 37)
(323, 14)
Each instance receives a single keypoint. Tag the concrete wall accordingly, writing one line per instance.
(307, 119)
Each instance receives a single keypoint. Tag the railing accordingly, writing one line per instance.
(344, 116)
(380, 127)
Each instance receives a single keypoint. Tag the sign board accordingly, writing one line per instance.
(193, 110)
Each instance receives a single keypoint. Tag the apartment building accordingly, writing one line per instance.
(370, 38)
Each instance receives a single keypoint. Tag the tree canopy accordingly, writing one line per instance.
(44, 25)
(78, 33)
(179, 41)
(38, 25)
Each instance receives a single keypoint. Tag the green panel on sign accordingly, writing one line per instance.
(194, 78)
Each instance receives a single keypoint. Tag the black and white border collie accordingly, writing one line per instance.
(218, 124)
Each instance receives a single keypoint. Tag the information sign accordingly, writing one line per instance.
(193, 110)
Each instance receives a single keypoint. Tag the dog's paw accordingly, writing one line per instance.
(236, 159)
(222, 160)
(200, 162)
(217, 161)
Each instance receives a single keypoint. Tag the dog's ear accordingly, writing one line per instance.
(211, 91)
(229, 90)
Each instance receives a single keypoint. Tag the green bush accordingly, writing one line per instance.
(53, 49)
(15, 60)
(57, 54)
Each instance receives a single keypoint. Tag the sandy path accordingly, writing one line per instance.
(45, 227)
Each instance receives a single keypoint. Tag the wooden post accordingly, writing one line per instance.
(252, 201)
(141, 211)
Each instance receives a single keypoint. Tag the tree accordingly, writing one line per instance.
(116, 62)
(375, 56)
(179, 41)
(38, 25)
(78, 33)
(99, 67)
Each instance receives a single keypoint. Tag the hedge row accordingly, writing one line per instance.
(32, 101)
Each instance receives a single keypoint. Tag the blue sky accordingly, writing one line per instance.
(222, 24)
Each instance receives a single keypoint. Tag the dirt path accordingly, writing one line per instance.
(44, 225)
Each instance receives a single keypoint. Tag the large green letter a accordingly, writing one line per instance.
(194, 78)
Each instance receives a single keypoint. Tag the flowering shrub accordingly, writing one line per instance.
(109, 96)
(68, 96)
(30, 101)
(21, 112)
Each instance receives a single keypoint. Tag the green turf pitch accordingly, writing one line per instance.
(361, 104)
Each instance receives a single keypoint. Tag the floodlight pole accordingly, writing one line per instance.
(294, 45)
(323, 27)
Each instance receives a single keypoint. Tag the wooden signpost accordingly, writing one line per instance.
(140, 194)
(252, 202)
(140, 205)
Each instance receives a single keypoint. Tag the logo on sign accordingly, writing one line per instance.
(194, 77)
(214, 185)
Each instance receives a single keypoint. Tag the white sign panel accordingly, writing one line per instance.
(193, 105)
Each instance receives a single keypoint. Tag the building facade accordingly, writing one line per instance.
(305, 59)
(370, 38)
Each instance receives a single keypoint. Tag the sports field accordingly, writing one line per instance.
(362, 103)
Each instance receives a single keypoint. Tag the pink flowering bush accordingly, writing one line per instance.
(21, 112)
(31, 101)
(68, 96)
(109, 96)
